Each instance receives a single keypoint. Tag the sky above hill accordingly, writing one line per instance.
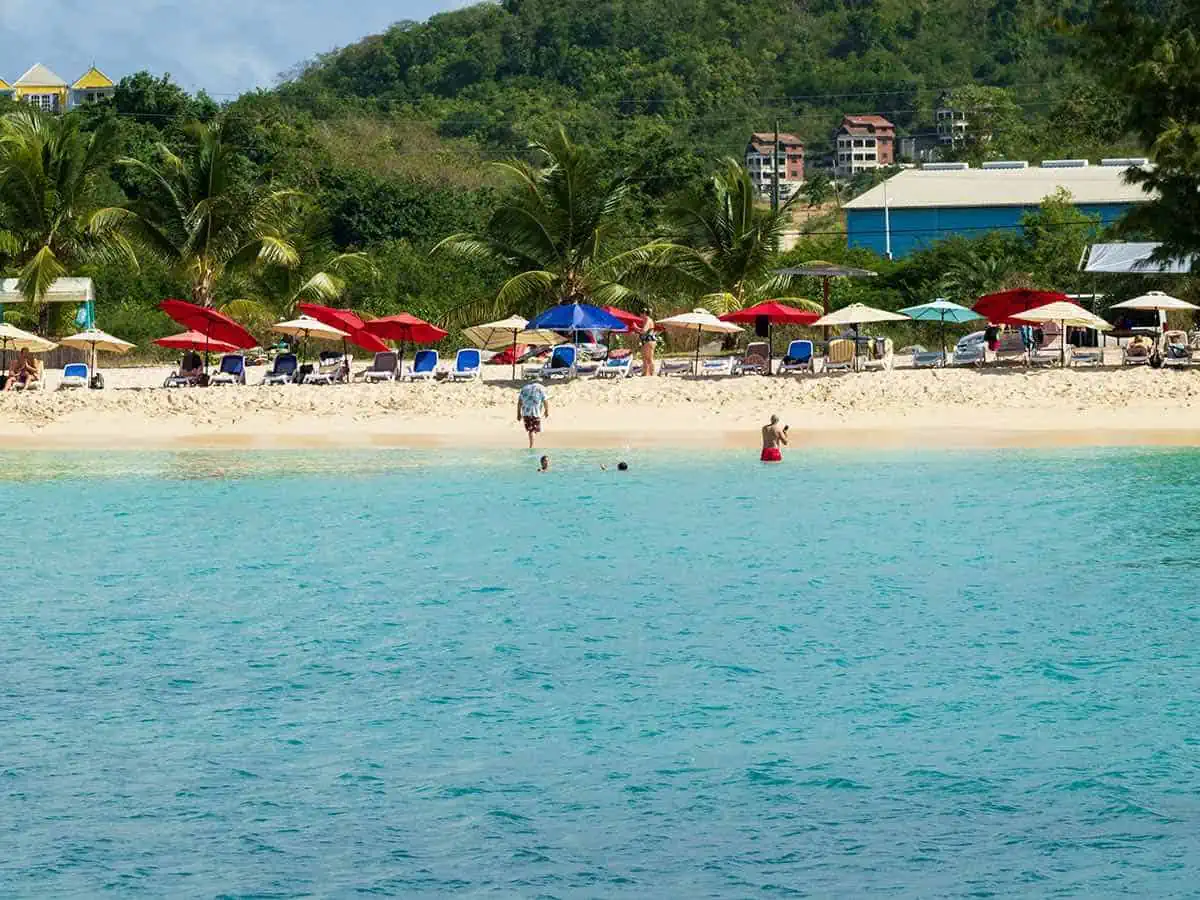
(223, 46)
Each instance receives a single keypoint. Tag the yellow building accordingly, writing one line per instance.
(43, 88)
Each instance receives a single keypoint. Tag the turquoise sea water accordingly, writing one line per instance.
(417, 675)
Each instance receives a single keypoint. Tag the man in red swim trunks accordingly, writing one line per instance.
(773, 438)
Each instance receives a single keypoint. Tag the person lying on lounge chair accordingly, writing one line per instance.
(191, 366)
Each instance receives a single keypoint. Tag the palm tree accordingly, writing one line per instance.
(554, 230)
(321, 276)
(977, 274)
(51, 178)
(203, 220)
(721, 248)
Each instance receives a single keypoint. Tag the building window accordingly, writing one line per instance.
(47, 102)
(870, 142)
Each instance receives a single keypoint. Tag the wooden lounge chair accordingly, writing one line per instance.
(839, 356)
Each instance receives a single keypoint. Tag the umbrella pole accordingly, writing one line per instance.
(770, 351)
(696, 364)
(514, 355)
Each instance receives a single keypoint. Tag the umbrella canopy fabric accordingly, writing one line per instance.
(1001, 308)
(632, 321)
(700, 320)
(1157, 300)
(348, 321)
(307, 326)
(13, 338)
(859, 314)
(507, 332)
(941, 310)
(1066, 313)
(406, 329)
(96, 340)
(194, 340)
(818, 269)
(576, 317)
(209, 322)
(774, 312)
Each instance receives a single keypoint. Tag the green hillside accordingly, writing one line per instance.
(691, 78)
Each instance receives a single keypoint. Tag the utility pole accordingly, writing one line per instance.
(775, 171)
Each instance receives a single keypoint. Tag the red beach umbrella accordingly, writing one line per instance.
(210, 323)
(345, 320)
(194, 340)
(773, 313)
(405, 329)
(632, 321)
(999, 308)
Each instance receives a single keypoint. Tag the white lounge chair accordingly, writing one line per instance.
(928, 359)
(382, 368)
(1137, 354)
(1085, 356)
(332, 367)
(616, 367)
(231, 371)
(880, 355)
(75, 375)
(717, 367)
(669, 367)
(424, 367)
(468, 366)
(1176, 351)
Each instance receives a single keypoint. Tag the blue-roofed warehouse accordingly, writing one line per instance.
(945, 200)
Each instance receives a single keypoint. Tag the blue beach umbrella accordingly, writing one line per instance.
(576, 317)
(943, 311)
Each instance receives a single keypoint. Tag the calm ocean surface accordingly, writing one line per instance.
(418, 675)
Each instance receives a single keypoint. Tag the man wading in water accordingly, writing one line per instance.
(773, 438)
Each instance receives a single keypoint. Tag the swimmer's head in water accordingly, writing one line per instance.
(622, 467)
(545, 462)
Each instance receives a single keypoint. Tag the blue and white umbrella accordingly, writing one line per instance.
(576, 317)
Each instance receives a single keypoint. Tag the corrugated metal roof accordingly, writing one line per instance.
(924, 189)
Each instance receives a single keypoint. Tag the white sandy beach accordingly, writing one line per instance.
(901, 408)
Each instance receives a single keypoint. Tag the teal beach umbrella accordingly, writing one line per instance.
(943, 311)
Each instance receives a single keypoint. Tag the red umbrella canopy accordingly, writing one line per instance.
(345, 320)
(775, 312)
(1000, 308)
(406, 328)
(632, 321)
(208, 322)
(194, 340)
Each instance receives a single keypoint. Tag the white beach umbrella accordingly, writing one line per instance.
(306, 327)
(510, 332)
(701, 321)
(858, 314)
(13, 338)
(97, 340)
(1157, 300)
(1065, 314)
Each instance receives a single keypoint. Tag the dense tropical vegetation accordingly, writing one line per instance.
(510, 155)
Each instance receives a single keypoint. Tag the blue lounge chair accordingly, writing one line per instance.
(928, 359)
(284, 369)
(468, 365)
(232, 370)
(75, 375)
(424, 366)
(563, 362)
(799, 357)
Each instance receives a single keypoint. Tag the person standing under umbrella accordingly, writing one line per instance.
(532, 407)
(648, 343)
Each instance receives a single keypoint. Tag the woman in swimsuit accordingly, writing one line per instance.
(646, 335)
